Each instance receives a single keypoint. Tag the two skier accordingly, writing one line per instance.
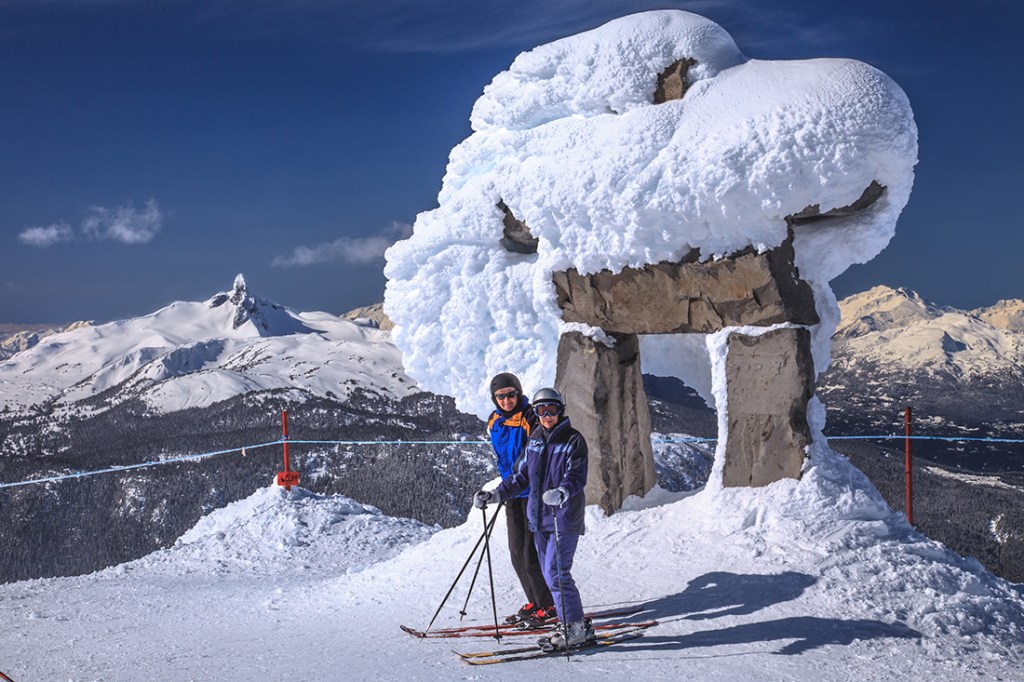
(509, 428)
(553, 473)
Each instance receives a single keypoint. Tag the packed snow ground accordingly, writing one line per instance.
(808, 580)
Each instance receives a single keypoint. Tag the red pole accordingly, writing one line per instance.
(284, 435)
(910, 472)
(287, 478)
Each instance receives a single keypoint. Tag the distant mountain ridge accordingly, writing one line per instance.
(962, 372)
(897, 327)
(15, 338)
(192, 354)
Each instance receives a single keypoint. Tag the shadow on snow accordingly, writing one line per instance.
(719, 593)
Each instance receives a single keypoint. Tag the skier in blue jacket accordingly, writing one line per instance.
(509, 429)
(554, 470)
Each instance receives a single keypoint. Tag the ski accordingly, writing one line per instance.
(508, 628)
(534, 653)
(517, 633)
(624, 628)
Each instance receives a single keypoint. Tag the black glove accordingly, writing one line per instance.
(486, 497)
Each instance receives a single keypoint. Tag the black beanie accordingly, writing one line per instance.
(506, 380)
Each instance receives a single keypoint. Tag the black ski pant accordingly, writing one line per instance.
(523, 551)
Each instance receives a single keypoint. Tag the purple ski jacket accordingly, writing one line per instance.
(553, 459)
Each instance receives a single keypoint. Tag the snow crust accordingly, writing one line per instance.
(569, 140)
(816, 579)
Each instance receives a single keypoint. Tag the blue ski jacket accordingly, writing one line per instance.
(509, 433)
(553, 459)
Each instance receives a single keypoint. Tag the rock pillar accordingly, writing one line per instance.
(606, 402)
(769, 381)
(770, 377)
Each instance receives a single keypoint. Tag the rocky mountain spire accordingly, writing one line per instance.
(247, 306)
(238, 293)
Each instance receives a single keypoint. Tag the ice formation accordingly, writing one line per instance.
(570, 141)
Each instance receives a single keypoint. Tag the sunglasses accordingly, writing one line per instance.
(547, 410)
(509, 395)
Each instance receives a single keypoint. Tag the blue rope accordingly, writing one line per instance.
(945, 438)
(889, 437)
(389, 442)
(127, 467)
(203, 455)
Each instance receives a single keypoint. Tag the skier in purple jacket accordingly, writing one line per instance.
(509, 430)
(554, 468)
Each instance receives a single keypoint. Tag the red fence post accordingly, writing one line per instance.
(287, 478)
(910, 472)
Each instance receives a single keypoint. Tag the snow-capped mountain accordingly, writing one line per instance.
(897, 328)
(960, 371)
(883, 308)
(24, 338)
(1007, 314)
(195, 354)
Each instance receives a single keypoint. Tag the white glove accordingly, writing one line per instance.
(486, 497)
(555, 497)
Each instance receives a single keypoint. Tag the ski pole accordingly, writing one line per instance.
(487, 551)
(561, 592)
(472, 584)
(463, 569)
(479, 563)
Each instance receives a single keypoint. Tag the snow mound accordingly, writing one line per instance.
(275, 531)
(580, 77)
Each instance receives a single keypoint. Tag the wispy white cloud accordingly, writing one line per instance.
(352, 250)
(46, 235)
(124, 224)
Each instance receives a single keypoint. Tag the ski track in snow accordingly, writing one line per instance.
(808, 580)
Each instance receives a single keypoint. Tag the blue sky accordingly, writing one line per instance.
(150, 151)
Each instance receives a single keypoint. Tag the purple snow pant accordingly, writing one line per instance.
(550, 558)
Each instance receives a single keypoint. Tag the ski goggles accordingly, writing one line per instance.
(548, 410)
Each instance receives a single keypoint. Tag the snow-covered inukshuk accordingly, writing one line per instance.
(631, 189)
